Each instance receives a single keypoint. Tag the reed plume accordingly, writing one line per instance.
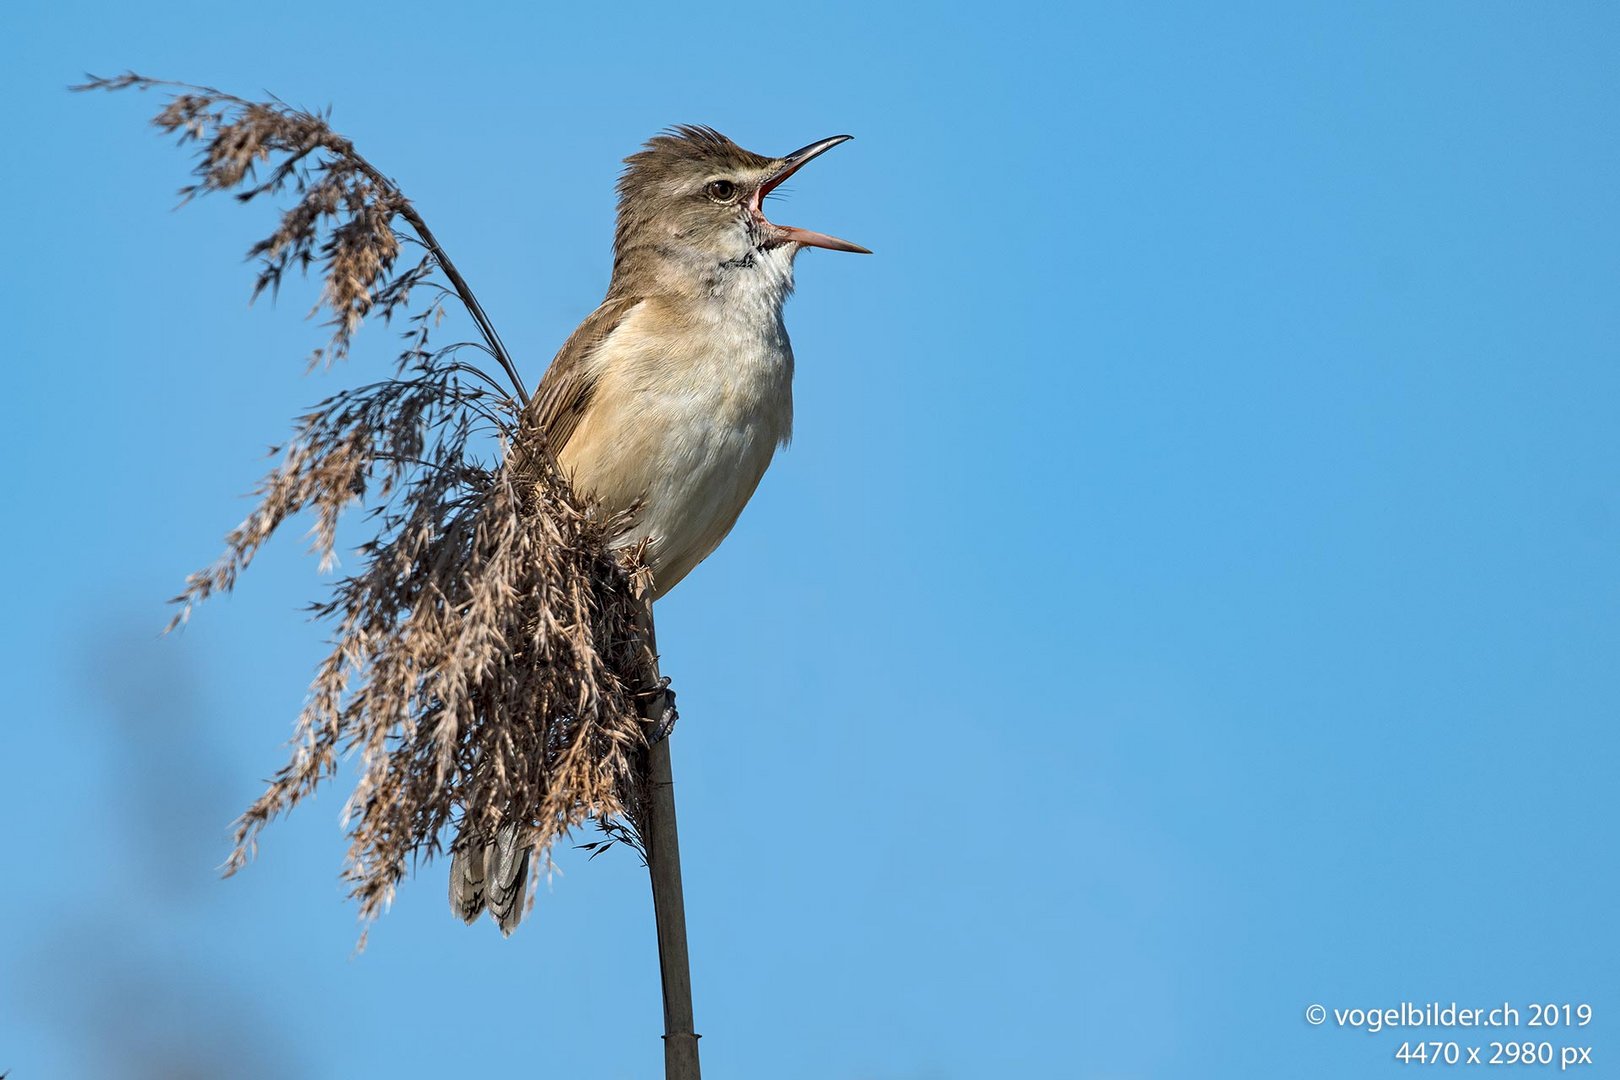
(486, 656)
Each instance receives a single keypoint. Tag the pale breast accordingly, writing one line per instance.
(688, 409)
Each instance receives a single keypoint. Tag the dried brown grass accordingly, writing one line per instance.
(485, 655)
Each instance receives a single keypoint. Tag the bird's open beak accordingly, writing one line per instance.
(790, 165)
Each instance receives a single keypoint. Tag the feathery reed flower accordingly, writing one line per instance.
(486, 654)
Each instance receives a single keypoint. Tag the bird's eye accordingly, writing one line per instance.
(721, 190)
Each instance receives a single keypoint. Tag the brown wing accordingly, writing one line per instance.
(565, 391)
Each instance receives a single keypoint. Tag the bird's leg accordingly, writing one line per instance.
(658, 729)
(655, 693)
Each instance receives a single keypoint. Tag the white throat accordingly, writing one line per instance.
(757, 283)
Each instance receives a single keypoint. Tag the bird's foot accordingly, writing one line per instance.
(658, 729)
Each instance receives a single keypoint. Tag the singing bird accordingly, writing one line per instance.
(673, 395)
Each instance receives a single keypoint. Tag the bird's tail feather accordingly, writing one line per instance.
(492, 875)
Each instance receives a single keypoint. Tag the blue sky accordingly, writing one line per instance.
(1190, 594)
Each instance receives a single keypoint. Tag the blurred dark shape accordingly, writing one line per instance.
(123, 968)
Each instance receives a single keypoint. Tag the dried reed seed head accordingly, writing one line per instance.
(484, 653)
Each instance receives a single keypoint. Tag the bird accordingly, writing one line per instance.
(671, 399)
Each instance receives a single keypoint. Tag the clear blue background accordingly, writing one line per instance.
(1191, 593)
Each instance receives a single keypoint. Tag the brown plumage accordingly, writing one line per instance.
(671, 398)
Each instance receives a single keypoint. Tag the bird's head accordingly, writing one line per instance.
(693, 196)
